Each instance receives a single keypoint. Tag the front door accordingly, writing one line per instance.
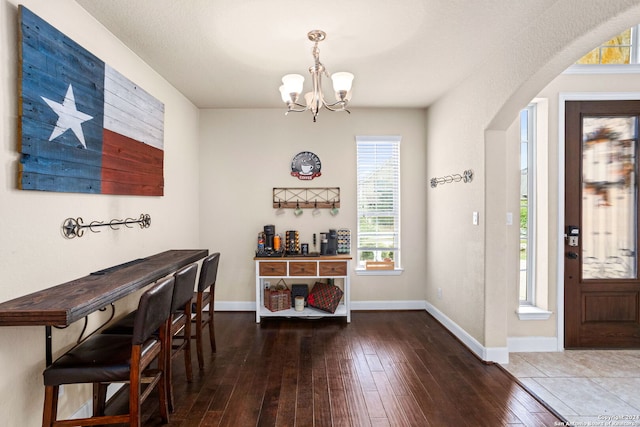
(601, 281)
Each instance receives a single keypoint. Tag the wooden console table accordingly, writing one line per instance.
(306, 268)
(66, 303)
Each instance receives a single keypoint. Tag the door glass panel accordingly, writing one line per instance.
(609, 197)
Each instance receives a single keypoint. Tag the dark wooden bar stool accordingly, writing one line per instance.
(103, 359)
(180, 324)
(203, 297)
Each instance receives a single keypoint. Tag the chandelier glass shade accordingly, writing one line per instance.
(292, 85)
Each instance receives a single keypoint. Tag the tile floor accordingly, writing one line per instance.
(586, 387)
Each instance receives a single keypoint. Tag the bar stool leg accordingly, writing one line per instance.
(99, 398)
(168, 370)
(164, 360)
(134, 390)
(50, 412)
(199, 335)
(187, 348)
(212, 332)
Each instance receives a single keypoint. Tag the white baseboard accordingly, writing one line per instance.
(533, 344)
(355, 305)
(487, 354)
(234, 306)
(387, 305)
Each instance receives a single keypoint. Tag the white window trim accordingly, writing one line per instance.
(395, 272)
(530, 312)
(603, 69)
(398, 270)
(536, 309)
(532, 204)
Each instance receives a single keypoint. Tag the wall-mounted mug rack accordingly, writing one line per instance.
(301, 198)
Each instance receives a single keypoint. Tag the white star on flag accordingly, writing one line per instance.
(68, 117)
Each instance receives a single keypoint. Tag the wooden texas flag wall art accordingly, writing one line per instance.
(84, 128)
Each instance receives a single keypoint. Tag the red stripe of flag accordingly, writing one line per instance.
(130, 166)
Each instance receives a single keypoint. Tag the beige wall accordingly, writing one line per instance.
(245, 153)
(33, 253)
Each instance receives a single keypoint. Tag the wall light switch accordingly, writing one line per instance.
(509, 218)
(475, 218)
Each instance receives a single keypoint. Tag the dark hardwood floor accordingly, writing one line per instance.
(383, 369)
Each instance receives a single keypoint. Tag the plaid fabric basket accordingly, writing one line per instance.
(325, 297)
(278, 298)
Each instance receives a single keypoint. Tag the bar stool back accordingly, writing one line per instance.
(205, 296)
(180, 333)
(105, 358)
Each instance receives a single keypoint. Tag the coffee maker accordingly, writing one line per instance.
(332, 242)
(269, 232)
(329, 243)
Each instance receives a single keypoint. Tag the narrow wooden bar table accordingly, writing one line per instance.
(68, 302)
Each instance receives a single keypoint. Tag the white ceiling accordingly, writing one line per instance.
(233, 53)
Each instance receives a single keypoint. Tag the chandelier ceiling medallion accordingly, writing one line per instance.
(292, 85)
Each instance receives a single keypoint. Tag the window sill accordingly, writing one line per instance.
(603, 69)
(529, 312)
(363, 272)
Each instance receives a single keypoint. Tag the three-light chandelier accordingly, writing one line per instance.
(292, 85)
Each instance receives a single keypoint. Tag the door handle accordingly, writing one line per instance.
(572, 255)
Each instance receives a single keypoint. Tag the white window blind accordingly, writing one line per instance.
(527, 204)
(378, 190)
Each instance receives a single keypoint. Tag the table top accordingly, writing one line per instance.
(68, 302)
(339, 257)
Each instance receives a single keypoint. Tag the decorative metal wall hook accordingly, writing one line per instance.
(466, 177)
(74, 227)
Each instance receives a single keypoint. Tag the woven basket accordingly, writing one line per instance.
(325, 296)
(278, 297)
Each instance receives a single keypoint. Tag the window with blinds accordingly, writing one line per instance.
(378, 194)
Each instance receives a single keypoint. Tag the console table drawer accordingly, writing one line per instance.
(302, 269)
(333, 269)
(273, 268)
